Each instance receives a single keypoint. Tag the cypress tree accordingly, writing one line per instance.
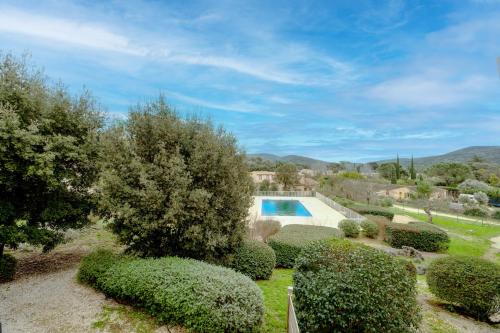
(398, 168)
(413, 173)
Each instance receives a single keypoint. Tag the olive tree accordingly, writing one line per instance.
(287, 175)
(48, 153)
(173, 185)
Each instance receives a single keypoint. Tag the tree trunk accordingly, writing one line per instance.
(429, 214)
(1, 250)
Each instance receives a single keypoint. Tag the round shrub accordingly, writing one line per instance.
(350, 228)
(476, 211)
(496, 215)
(193, 294)
(370, 228)
(7, 268)
(419, 235)
(292, 238)
(340, 286)
(469, 282)
(254, 259)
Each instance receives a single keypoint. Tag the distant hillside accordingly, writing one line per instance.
(488, 153)
(296, 159)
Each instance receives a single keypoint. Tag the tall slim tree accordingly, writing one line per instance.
(398, 168)
(48, 155)
(413, 172)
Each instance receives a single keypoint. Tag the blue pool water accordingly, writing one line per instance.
(283, 208)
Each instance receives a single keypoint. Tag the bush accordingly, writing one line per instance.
(469, 282)
(254, 259)
(350, 228)
(340, 286)
(193, 294)
(95, 264)
(7, 268)
(496, 215)
(386, 202)
(370, 228)
(419, 235)
(265, 228)
(174, 185)
(374, 211)
(476, 211)
(292, 238)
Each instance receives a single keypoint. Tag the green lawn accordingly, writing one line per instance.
(275, 299)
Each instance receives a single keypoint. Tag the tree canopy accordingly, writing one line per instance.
(287, 175)
(449, 173)
(173, 185)
(48, 153)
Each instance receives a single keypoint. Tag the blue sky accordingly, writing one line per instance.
(335, 80)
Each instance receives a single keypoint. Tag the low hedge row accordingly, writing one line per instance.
(254, 259)
(419, 235)
(340, 286)
(292, 238)
(472, 283)
(350, 228)
(374, 211)
(195, 295)
(7, 268)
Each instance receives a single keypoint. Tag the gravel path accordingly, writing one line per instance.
(49, 303)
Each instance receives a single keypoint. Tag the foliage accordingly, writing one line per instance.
(174, 186)
(386, 202)
(370, 228)
(275, 299)
(287, 175)
(471, 186)
(481, 198)
(254, 259)
(351, 175)
(387, 170)
(374, 211)
(292, 238)
(7, 268)
(186, 292)
(340, 286)
(476, 211)
(412, 170)
(472, 283)
(265, 185)
(496, 215)
(48, 157)
(449, 173)
(95, 264)
(419, 235)
(265, 229)
(424, 190)
(350, 228)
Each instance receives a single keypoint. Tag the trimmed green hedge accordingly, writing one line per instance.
(95, 264)
(292, 238)
(350, 228)
(374, 211)
(254, 259)
(419, 235)
(340, 286)
(470, 282)
(370, 228)
(195, 295)
(7, 268)
(476, 211)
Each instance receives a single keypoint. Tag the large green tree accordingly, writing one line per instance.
(287, 175)
(173, 185)
(449, 173)
(48, 153)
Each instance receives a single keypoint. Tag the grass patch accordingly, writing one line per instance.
(275, 299)
(436, 324)
(468, 247)
(462, 227)
(120, 318)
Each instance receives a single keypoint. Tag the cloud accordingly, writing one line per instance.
(430, 90)
(84, 34)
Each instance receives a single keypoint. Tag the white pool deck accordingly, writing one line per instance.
(322, 214)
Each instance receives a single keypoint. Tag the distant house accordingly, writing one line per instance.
(306, 184)
(259, 176)
(308, 172)
(397, 193)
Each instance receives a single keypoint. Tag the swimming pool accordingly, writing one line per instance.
(283, 208)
